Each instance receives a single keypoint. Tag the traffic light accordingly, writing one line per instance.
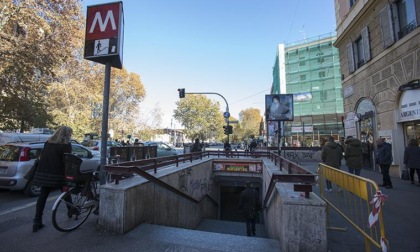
(225, 130)
(181, 92)
(228, 129)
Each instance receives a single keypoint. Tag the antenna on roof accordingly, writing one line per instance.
(303, 32)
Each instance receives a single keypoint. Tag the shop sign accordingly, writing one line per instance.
(410, 106)
(300, 129)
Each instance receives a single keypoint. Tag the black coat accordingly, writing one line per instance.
(332, 154)
(353, 153)
(384, 154)
(249, 203)
(412, 157)
(50, 171)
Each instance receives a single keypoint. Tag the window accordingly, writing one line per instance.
(406, 17)
(358, 51)
(397, 20)
(303, 77)
(352, 2)
(321, 74)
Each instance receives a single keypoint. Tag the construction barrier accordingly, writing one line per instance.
(358, 200)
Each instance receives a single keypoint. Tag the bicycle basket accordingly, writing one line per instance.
(72, 169)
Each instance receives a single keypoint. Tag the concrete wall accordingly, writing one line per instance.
(300, 224)
(297, 222)
(136, 200)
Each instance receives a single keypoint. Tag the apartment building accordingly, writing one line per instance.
(310, 70)
(379, 48)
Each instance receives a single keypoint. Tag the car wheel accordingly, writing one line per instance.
(32, 190)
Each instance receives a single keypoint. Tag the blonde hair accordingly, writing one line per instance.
(61, 136)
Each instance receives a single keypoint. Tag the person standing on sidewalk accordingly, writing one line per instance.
(384, 159)
(412, 158)
(331, 155)
(249, 206)
(353, 155)
(50, 172)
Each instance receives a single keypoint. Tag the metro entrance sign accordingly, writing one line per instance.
(104, 34)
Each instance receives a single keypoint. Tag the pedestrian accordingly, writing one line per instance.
(249, 206)
(384, 159)
(227, 147)
(412, 158)
(196, 146)
(353, 155)
(136, 142)
(331, 155)
(252, 147)
(50, 172)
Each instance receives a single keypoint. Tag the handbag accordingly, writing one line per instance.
(404, 174)
(31, 173)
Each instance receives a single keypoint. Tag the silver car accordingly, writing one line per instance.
(16, 159)
(163, 149)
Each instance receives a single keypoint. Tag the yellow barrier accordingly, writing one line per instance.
(350, 197)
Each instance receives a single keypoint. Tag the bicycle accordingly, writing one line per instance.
(73, 206)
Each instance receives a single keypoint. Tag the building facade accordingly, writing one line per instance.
(310, 70)
(379, 47)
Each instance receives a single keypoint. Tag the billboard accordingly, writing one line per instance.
(104, 34)
(279, 107)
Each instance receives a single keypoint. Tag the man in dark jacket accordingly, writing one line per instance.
(383, 157)
(353, 155)
(331, 155)
(248, 205)
(412, 158)
(196, 146)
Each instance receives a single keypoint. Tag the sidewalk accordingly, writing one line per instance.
(400, 213)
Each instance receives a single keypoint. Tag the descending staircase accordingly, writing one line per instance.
(211, 235)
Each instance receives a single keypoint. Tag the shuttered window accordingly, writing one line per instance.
(350, 57)
(386, 27)
(366, 44)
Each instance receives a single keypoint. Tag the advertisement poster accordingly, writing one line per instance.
(279, 107)
(237, 166)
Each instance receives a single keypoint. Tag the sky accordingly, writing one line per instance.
(216, 46)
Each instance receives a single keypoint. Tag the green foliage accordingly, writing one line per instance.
(249, 119)
(45, 82)
(200, 116)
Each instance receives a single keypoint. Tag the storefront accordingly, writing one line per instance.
(365, 128)
(409, 112)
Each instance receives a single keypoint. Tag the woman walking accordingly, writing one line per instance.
(50, 172)
(412, 158)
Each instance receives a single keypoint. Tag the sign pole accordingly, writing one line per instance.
(279, 129)
(104, 133)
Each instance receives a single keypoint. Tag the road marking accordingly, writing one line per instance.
(26, 206)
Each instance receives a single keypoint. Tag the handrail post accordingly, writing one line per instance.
(155, 165)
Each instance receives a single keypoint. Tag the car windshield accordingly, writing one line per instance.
(9, 153)
(91, 144)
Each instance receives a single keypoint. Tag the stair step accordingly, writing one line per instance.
(162, 238)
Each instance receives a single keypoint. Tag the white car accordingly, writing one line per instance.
(16, 159)
(96, 145)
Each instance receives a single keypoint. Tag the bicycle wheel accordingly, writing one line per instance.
(71, 210)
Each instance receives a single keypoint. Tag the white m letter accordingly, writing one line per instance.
(102, 25)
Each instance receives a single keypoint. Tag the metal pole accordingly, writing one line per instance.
(104, 133)
(279, 137)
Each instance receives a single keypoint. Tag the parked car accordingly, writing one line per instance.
(7, 137)
(96, 145)
(16, 159)
(163, 149)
